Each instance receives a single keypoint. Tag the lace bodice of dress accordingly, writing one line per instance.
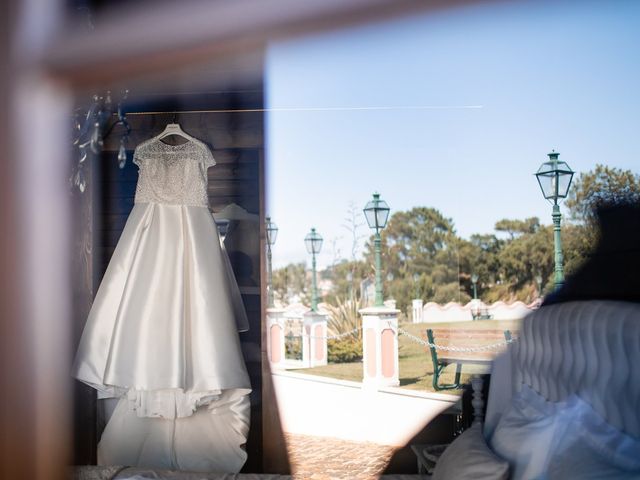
(172, 174)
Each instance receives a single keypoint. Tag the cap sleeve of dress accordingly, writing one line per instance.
(207, 157)
(138, 156)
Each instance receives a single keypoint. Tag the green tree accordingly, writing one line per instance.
(291, 281)
(425, 257)
(480, 255)
(345, 277)
(578, 243)
(423, 242)
(521, 260)
(450, 292)
(516, 228)
(601, 185)
(412, 239)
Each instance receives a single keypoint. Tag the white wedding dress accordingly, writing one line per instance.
(162, 332)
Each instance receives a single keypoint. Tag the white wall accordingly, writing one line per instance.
(320, 406)
(454, 312)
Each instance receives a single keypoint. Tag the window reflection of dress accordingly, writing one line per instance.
(162, 332)
(242, 241)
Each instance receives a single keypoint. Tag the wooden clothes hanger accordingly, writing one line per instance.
(174, 128)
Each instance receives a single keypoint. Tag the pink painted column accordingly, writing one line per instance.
(380, 347)
(314, 340)
(275, 337)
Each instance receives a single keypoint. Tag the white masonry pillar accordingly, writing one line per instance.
(417, 307)
(380, 347)
(314, 339)
(275, 337)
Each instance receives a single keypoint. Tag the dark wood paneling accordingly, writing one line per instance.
(85, 206)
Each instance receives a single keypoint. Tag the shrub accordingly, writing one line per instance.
(293, 347)
(343, 350)
(344, 316)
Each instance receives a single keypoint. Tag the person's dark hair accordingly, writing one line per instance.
(612, 272)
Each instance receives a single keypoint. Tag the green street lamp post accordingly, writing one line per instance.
(272, 234)
(554, 177)
(376, 212)
(474, 280)
(313, 243)
(416, 285)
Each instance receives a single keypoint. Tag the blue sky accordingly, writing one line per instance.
(546, 75)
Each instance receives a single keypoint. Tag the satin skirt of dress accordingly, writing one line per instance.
(206, 441)
(162, 332)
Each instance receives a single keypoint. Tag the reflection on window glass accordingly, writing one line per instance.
(446, 118)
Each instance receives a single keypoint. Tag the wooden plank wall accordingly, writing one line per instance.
(84, 284)
(237, 142)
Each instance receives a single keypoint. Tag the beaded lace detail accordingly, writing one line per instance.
(173, 174)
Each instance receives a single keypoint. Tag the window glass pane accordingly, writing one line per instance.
(447, 116)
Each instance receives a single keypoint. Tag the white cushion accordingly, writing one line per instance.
(500, 393)
(591, 448)
(587, 348)
(469, 457)
(562, 441)
(526, 432)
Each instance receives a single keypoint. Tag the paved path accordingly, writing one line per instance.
(321, 458)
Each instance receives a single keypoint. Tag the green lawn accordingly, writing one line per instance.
(416, 367)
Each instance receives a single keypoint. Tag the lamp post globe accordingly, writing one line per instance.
(272, 233)
(376, 212)
(554, 177)
(313, 244)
